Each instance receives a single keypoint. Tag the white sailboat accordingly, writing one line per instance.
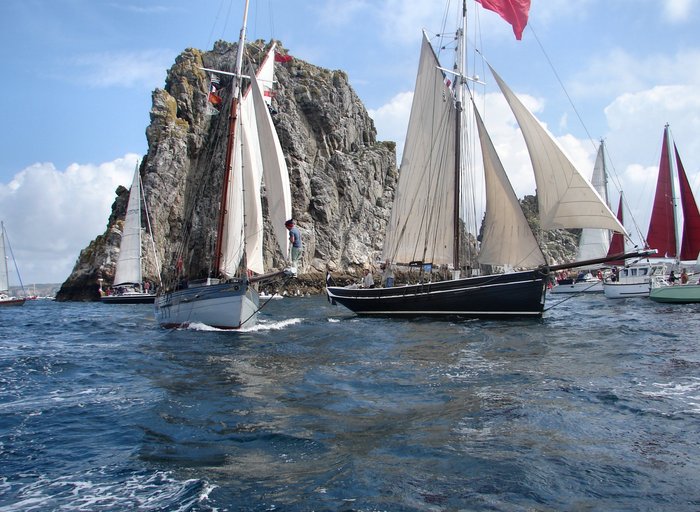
(230, 300)
(594, 243)
(128, 286)
(6, 299)
(425, 225)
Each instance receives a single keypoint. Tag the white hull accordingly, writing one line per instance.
(221, 305)
(626, 290)
(633, 281)
(580, 287)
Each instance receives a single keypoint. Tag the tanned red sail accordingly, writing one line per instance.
(617, 242)
(662, 232)
(690, 241)
(514, 12)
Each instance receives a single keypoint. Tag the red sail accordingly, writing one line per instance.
(662, 233)
(690, 245)
(617, 243)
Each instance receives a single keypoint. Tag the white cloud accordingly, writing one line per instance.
(51, 215)
(391, 120)
(676, 10)
(129, 69)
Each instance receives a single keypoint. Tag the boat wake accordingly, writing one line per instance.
(261, 326)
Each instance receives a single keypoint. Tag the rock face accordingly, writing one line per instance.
(342, 179)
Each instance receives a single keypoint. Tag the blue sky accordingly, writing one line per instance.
(78, 75)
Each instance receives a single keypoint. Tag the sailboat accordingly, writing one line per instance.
(129, 287)
(594, 243)
(424, 230)
(230, 300)
(664, 224)
(5, 298)
(629, 279)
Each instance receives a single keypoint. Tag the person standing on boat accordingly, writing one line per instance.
(672, 277)
(387, 275)
(684, 277)
(294, 241)
(367, 279)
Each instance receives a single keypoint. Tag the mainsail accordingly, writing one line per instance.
(594, 243)
(421, 228)
(129, 262)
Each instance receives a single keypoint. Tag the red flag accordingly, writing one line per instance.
(282, 58)
(215, 99)
(514, 12)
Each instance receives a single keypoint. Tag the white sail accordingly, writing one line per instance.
(4, 275)
(232, 232)
(566, 199)
(263, 160)
(507, 237)
(275, 173)
(421, 228)
(594, 243)
(129, 260)
(252, 184)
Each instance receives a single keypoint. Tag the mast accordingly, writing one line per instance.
(232, 119)
(459, 96)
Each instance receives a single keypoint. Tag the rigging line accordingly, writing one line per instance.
(265, 303)
(556, 75)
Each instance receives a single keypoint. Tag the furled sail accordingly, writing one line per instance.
(129, 261)
(506, 238)
(421, 228)
(594, 243)
(566, 199)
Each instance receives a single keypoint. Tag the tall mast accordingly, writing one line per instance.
(232, 118)
(459, 96)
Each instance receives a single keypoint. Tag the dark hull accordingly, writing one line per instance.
(134, 298)
(519, 294)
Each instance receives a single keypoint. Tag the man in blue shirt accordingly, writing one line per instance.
(294, 241)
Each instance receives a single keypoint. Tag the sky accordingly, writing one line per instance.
(77, 79)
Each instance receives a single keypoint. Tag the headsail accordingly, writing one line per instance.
(566, 199)
(507, 238)
(421, 228)
(662, 231)
(690, 241)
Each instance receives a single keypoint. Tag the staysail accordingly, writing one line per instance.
(427, 172)
(129, 262)
(507, 238)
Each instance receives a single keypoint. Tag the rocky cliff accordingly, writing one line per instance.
(342, 178)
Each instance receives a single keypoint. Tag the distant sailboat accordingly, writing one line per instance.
(664, 223)
(128, 286)
(6, 299)
(230, 299)
(594, 242)
(424, 230)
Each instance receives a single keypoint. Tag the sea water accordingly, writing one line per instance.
(594, 407)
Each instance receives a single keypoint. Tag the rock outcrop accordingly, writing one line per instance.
(342, 178)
